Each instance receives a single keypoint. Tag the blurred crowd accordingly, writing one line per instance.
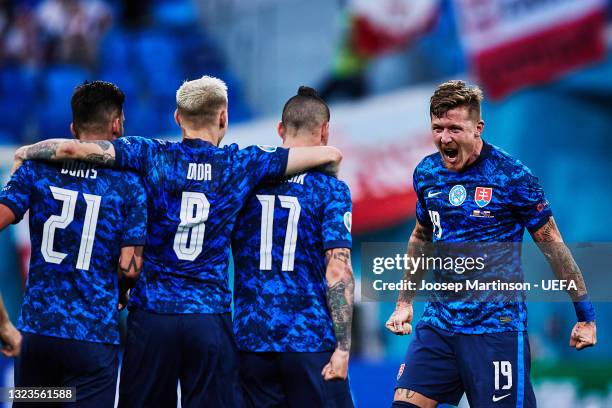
(52, 31)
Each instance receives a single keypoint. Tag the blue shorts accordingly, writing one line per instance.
(492, 368)
(197, 349)
(291, 380)
(92, 368)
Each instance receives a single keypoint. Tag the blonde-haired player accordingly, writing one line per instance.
(179, 327)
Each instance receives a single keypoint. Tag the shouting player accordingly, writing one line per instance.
(472, 191)
(84, 220)
(293, 278)
(179, 327)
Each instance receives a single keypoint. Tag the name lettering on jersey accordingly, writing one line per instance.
(298, 178)
(199, 172)
(79, 169)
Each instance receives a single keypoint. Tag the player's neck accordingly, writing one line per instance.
(301, 140)
(476, 153)
(89, 137)
(202, 134)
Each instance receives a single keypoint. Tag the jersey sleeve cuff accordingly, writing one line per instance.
(337, 244)
(118, 153)
(543, 220)
(283, 157)
(134, 242)
(14, 208)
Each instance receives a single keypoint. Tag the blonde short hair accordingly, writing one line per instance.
(200, 100)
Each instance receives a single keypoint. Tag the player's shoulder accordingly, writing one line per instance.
(141, 141)
(429, 164)
(325, 181)
(508, 165)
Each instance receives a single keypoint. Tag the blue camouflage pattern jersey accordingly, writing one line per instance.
(196, 191)
(279, 244)
(492, 201)
(80, 217)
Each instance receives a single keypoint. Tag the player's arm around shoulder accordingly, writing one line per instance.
(548, 237)
(325, 158)
(340, 299)
(97, 152)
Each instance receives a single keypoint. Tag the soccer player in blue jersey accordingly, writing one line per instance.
(84, 221)
(293, 283)
(471, 191)
(179, 327)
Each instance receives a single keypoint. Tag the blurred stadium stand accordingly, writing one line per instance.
(264, 49)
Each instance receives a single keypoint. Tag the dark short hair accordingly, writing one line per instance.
(454, 94)
(305, 110)
(95, 104)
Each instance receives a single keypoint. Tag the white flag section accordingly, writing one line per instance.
(382, 140)
(516, 43)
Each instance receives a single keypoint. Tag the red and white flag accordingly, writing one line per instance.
(516, 43)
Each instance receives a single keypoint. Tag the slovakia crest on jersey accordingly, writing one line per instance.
(483, 196)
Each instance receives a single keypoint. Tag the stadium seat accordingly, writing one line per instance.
(17, 94)
(54, 111)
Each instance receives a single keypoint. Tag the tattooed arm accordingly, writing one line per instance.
(129, 268)
(564, 267)
(418, 245)
(96, 152)
(340, 295)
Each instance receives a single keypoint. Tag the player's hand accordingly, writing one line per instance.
(124, 297)
(584, 334)
(11, 339)
(18, 159)
(400, 321)
(337, 368)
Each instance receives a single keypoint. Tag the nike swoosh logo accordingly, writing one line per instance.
(429, 195)
(495, 398)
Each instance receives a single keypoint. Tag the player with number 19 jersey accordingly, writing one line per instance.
(80, 217)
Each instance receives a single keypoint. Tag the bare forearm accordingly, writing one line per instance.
(305, 158)
(560, 258)
(418, 245)
(3, 313)
(96, 152)
(340, 295)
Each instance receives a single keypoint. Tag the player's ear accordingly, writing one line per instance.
(480, 127)
(73, 130)
(324, 133)
(117, 127)
(281, 130)
(223, 119)
(177, 119)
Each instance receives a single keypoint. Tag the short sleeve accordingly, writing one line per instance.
(259, 163)
(17, 192)
(135, 223)
(421, 210)
(337, 217)
(529, 202)
(133, 153)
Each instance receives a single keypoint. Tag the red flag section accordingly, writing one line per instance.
(514, 44)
